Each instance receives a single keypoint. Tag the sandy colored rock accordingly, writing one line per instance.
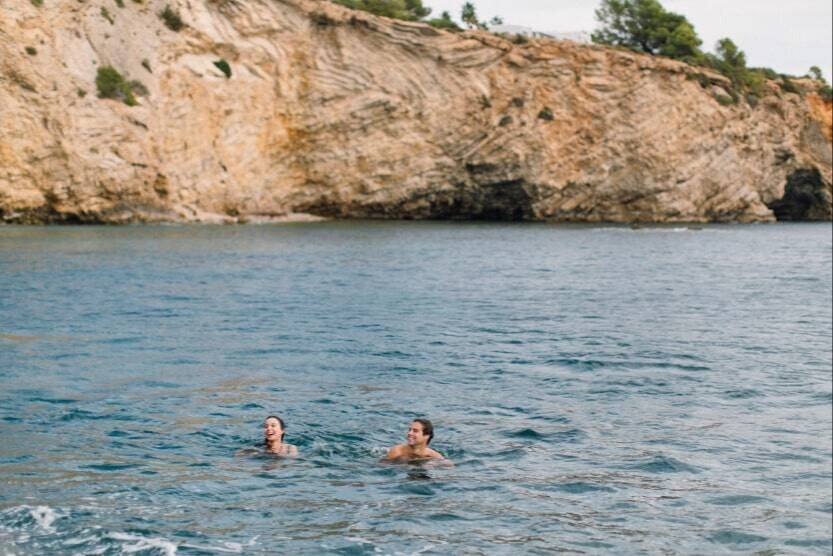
(334, 113)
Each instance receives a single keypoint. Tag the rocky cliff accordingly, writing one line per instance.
(335, 113)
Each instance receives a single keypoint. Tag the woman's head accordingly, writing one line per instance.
(273, 429)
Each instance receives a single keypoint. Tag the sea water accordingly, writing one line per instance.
(598, 389)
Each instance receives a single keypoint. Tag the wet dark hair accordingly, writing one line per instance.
(283, 426)
(427, 428)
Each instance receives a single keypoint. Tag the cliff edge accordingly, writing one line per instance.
(329, 112)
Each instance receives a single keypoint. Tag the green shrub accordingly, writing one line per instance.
(120, 3)
(701, 78)
(752, 100)
(146, 65)
(768, 73)
(788, 86)
(505, 121)
(755, 82)
(724, 100)
(111, 84)
(444, 22)
(730, 61)
(408, 10)
(826, 93)
(546, 114)
(37, 3)
(519, 39)
(31, 50)
(517, 102)
(223, 66)
(81, 93)
(171, 19)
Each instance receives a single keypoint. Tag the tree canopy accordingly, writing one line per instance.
(408, 10)
(414, 10)
(815, 73)
(646, 26)
(443, 22)
(468, 15)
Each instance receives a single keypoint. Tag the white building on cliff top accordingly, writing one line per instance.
(582, 37)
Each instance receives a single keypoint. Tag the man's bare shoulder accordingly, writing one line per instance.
(433, 454)
(436, 458)
(397, 452)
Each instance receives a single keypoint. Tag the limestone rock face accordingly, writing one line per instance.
(334, 113)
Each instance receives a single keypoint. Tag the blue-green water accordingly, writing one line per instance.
(600, 390)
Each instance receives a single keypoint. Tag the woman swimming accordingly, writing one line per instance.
(273, 433)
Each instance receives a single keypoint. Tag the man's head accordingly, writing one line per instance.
(273, 428)
(421, 431)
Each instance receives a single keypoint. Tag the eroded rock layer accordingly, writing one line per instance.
(333, 113)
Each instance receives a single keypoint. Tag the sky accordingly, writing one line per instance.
(788, 36)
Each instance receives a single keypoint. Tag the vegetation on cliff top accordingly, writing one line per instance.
(414, 10)
(638, 25)
(407, 10)
(645, 26)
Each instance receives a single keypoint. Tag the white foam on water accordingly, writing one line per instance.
(7, 550)
(75, 541)
(44, 516)
(358, 540)
(143, 543)
(654, 229)
(424, 549)
(228, 546)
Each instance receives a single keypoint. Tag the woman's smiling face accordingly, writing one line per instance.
(272, 430)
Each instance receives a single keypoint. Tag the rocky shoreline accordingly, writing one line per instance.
(324, 112)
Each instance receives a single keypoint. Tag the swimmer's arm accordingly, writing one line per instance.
(393, 454)
(292, 451)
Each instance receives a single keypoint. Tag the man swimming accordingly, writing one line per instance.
(416, 447)
(273, 433)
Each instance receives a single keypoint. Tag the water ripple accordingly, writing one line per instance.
(621, 392)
